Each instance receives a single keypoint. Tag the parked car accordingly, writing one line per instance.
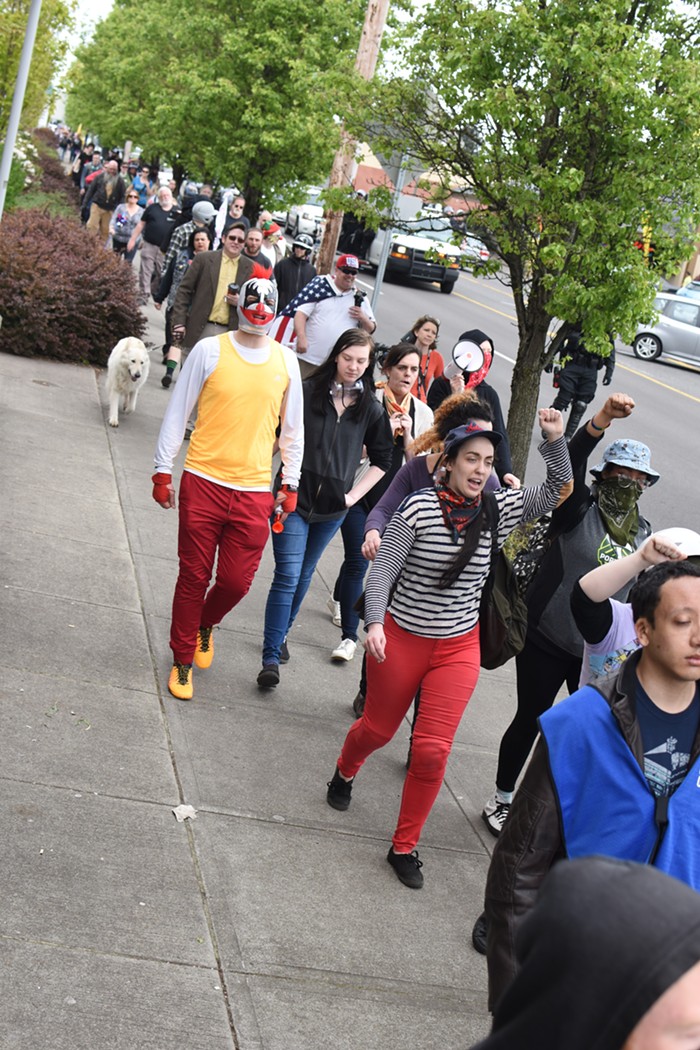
(690, 291)
(305, 218)
(676, 333)
(474, 252)
(427, 253)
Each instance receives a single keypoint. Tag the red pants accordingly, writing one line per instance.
(213, 517)
(446, 669)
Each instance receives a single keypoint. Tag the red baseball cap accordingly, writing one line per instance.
(349, 261)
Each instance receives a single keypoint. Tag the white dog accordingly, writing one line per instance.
(127, 371)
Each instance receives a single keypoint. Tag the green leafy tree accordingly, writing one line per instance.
(576, 125)
(50, 48)
(243, 93)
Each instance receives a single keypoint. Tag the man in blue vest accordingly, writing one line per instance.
(616, 769)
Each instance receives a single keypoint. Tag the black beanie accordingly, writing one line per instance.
(604, 941)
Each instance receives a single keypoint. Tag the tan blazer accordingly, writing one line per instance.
(195, 295)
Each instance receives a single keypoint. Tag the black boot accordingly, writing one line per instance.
(575, 417)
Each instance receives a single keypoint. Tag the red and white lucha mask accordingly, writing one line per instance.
(257, 306)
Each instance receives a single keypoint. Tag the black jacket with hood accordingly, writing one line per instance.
(333, 450)
(604, 941)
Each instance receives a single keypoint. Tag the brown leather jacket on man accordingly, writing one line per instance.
(195, 295)
(531, 841)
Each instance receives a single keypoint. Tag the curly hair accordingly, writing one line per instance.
(453, 412)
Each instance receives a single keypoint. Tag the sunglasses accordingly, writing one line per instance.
(236, 240)
(132, 197)
(348, 270)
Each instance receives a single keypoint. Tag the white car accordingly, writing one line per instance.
(305, 218)
(428, 253)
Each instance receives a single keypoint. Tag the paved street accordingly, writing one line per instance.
(270, 922)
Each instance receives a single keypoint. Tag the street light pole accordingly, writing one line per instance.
(342, 170)
(18, 99)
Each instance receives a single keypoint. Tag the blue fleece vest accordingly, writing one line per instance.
(605, 803)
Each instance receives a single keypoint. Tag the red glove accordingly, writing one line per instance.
(290, 501)
(161, 491)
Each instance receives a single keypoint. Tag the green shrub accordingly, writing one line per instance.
(61, 294)
(15, 184)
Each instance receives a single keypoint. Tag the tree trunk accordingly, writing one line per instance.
(178, 174)
(525, 390)
(253, 202)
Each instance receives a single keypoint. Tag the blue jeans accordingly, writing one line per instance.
(348, 586)
(297, 552)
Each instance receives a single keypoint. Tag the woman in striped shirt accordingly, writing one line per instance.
(422, 617)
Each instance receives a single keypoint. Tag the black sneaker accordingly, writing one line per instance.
(479, 933)
(407, 868)
(166, 380)
(269, 677)
(339, 791)
(358, 704)
(494, 815)
(284, 653)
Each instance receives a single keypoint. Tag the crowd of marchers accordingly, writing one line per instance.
(301, 425)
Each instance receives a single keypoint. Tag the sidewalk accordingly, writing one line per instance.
(271, 921)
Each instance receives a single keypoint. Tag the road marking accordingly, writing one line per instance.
(481, 281)
(658, 382)
(478, 302)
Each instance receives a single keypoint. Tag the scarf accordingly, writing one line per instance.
(457, 511)
(394, 407)
(617, 503)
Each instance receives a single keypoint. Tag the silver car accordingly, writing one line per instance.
(676, 333)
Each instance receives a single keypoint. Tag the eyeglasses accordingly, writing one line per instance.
(624, 481)
(236, 240)
(346, 269)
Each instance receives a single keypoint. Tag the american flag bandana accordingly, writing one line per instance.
(318, 289)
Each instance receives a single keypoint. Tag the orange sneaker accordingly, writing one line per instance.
(204, 653)
(180, 681)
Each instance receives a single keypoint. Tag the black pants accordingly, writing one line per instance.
(541, 675)
(576, 383)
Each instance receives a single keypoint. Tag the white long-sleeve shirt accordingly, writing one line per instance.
(201, 363)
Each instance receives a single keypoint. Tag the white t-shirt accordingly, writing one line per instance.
(610, 652)
(326, 321)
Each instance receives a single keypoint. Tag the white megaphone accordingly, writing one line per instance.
(466, 357)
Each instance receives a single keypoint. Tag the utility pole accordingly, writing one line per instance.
(18, 99)
(342, 170)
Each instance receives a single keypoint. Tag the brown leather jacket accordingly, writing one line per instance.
(531, 841)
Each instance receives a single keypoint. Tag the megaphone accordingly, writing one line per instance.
(466, 357)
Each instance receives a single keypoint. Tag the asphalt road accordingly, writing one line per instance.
(667, 395)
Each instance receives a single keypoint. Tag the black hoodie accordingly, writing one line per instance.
(604, 941)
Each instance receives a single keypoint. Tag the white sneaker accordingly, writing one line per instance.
(494, 815)
(334, 610)
(345, 651)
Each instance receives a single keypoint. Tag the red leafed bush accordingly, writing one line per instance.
(53, 179)
(61, 294)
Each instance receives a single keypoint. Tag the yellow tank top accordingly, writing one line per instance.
(238, 413)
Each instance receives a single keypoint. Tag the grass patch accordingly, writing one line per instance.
(52, 203)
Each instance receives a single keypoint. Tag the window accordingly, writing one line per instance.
(687, 312)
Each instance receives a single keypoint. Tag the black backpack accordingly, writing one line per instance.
(502, 613)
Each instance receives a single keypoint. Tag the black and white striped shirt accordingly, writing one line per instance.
(417, 546)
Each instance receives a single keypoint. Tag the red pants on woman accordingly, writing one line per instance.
(213, 517)
(447, 670)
